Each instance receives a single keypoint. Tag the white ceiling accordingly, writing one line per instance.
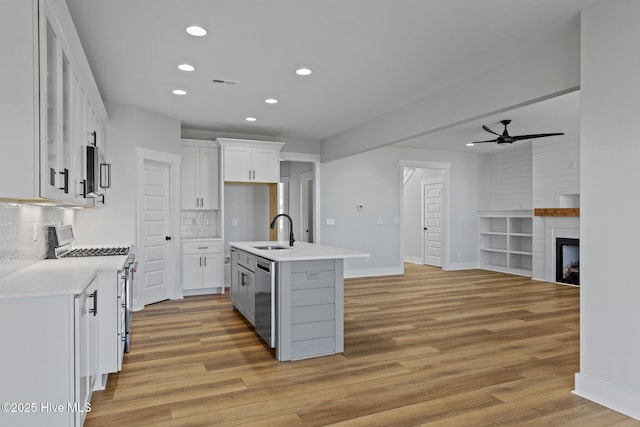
(559, 114)
(368, 57)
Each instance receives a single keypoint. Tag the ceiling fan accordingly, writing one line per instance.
(505, 138)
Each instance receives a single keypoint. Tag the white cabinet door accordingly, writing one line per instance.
(266, 164)
(192, 271)
(85, 346)
(237, 164)
(54, 108)
(189, 178)
(208, 178)
(199, 178)
(212, 270)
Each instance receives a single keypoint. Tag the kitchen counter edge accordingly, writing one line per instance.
(301, 251)
(57, 277)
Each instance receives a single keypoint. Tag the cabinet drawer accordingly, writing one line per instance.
(247, 260)
(209, 246)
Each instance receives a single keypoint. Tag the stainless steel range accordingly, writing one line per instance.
(59, 245)
(109, 251)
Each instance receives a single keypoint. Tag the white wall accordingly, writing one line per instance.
(129, 127)
(248, 205)
(610, 206)
(374, 179)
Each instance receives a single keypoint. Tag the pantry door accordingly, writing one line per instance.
(157, 236)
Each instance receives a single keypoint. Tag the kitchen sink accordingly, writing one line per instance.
(271, 248)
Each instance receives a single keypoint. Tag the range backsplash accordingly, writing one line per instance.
(23, 233)
(199, 224)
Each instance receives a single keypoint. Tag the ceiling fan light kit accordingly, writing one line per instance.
(505, 138)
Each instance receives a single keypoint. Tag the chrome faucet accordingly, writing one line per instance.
(273, 224)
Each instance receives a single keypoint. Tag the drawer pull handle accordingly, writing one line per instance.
(203, 247)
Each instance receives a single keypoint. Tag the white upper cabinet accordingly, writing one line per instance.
(199, 177)
(45, 93)
(250, 161)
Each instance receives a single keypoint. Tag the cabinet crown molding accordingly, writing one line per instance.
(248, 143)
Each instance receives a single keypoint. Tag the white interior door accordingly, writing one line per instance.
(433, 190)
(156, 232)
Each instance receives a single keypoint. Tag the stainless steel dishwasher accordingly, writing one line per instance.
(266, 300)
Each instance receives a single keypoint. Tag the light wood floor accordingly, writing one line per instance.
(469, 348)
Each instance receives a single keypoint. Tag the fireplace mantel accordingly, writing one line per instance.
(563, 212)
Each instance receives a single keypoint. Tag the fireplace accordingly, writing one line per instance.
(568, 260)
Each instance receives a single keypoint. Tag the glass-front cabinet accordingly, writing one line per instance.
(51, 105)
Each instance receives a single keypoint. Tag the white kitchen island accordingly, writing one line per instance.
(309, 294)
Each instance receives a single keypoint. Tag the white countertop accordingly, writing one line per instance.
(300, 251)
(66, 276)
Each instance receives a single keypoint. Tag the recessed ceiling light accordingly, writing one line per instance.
(250, 119)
(186, 67)
(196, 31)
(303, 71)
(271, 101)
(179, 92)
(471, 144)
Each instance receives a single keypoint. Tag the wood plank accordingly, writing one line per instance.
(556, 212)
(428, 347)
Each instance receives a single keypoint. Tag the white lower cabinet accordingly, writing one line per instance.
(50, 360)
(202, 267)
(111, 332)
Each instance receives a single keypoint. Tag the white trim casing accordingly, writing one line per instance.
(446, 256)
(174, 267)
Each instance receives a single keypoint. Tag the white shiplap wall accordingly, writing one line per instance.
(556, 172)
(511, 178)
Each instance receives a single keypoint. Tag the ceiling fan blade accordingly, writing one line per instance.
(536, 135)
(480, 142)
(489, 130)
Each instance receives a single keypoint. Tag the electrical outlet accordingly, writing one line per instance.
(35, 232)
(234, 222)
(379, 220)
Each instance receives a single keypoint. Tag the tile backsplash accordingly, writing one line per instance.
(195, 224)
(23, 233)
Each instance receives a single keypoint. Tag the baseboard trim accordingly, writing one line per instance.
(619, 400)
(460, 266)
(413, 260)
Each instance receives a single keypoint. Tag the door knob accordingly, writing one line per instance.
(425, 228)
(167, 237)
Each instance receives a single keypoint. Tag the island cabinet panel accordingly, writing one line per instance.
(310, 309)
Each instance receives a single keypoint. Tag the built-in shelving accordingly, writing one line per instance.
(506, 240)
